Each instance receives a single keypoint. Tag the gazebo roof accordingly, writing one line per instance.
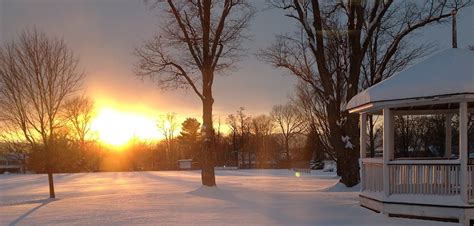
(446, 73)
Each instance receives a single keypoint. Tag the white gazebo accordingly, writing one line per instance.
(435, 188)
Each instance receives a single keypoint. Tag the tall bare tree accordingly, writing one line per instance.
(262, 128)
(200, 38)
(336, 40)
(313, 111)
(407, 52)
(37, 74)
(167, 125)
(240, 126)
(79, 113)
(289, 122)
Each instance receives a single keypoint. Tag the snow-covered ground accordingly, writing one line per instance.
(243, 197)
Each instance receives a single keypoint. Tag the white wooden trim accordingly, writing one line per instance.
(372, 160)
(376, 106)
(423, 179)
(362, 148)
(387, 148)
(361, 108)
(363, 135)
(463, 155)
(427, 162)
(372, 175)
(429, 111)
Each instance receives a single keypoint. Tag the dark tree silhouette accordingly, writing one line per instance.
(240, 125)
(262, 127)
(190, 136)
(167, 126)
(79, 112)
(37, 74)
(201, 38)
(289, 122)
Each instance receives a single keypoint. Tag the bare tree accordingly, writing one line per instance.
(79, 113)
(406, 53)
(200, 38)
(262, 128)
(289, 121)
(37, 74)
(167, 125)
(336, 38)
(240, 126)
(262, 125)
(313, 111)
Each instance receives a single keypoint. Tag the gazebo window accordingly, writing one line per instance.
(374, 135)
(426, 136)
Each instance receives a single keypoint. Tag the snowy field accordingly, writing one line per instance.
(243, 197)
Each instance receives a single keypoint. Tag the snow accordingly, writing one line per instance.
(347, 140)
(448, 72)
(340, 187)
(243, 197)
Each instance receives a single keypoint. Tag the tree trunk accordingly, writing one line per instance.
(347, 155)
(207, 155)
(47, 150)
(352, 154)
(51, 185)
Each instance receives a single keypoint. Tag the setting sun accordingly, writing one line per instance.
(117, 128)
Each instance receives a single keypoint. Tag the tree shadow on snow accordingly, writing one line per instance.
(43, 202)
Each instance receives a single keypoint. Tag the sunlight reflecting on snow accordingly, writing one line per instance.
(263, 197)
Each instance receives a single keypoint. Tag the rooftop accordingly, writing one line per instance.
(446, 73)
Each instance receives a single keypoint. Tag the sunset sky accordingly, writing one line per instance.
(104, 33)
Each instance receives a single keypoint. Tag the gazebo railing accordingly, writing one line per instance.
(437, 178)
(470, 183)
(372, 175)
(427, 177)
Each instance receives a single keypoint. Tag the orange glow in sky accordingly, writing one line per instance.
(117, 128)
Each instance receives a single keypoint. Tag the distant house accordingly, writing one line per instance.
(185, 164)
(11, 163)
(12, 158)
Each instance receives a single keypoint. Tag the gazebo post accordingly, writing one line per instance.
(448, 139)
(387, 148)
(463, 155)
(362, 146)
(363, 135)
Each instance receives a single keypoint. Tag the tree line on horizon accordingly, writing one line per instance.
(275, 140)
